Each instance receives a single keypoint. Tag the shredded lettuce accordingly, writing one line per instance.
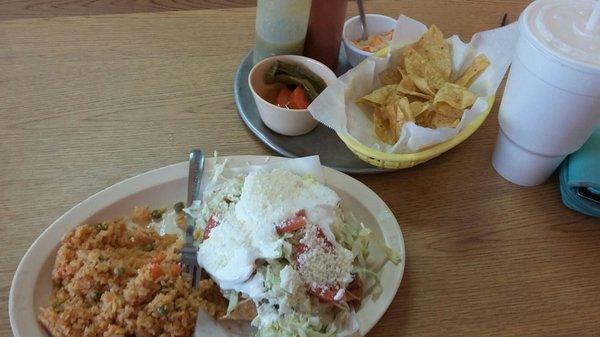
(291, 326)
(392, 255)
(287, 314)
(233, 297)
(374, 288)
(286, 249)
(359, 239)
(299, 314)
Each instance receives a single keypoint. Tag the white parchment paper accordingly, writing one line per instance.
(336, 106)
(300, 166)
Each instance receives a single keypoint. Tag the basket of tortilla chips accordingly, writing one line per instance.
(419, 98)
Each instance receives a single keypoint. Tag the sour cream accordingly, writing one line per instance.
(247, 232)
(228, 255)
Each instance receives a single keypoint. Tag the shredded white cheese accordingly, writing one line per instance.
(323, 265)
(268, 198)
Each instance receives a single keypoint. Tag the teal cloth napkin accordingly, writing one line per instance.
(582, 169)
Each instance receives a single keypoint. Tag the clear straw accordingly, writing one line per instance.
(594, 20)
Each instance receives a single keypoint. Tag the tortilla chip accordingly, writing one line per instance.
(414, 93)
(381, 124)
(393, 112)
(423, 86)
(418, 107)
(390, 76)
(397, 110)
(455, 95)
(425, 118)
(354, 291)
(408, 87)
(378, 96)
(404, 105)
(440, 121)
(397, 123)
(445, 109)
(408, 84)
(417, 68)
(436, 51)
(480, 63)
(402, 71)
(245, 311)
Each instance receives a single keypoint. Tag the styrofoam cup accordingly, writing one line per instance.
(521, 166)
(551, 103)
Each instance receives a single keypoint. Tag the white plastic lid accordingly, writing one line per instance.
(559, 28)
(521, 166)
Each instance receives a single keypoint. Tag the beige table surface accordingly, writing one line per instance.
(88, 101)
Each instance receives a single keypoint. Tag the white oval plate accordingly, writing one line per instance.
(32, 282)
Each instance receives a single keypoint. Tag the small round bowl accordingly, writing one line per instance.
(376, 24)
(288, 122)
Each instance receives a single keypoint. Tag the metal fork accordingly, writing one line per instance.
(189, 253)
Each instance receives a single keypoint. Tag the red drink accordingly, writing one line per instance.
(324, 34)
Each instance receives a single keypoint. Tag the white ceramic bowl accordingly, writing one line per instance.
(376, 24)
(289, 122)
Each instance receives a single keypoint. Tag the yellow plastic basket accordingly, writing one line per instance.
(406, 160)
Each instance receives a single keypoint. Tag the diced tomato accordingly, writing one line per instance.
(175, 269)
(297, 250)
(299, 99)
(326, 242)
(292, 224)
(212, 223)
(328, 294)
(283, 97)
(156, 271)
(159, 257)
(352, 293)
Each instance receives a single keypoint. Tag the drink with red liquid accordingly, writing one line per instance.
(324, 34)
